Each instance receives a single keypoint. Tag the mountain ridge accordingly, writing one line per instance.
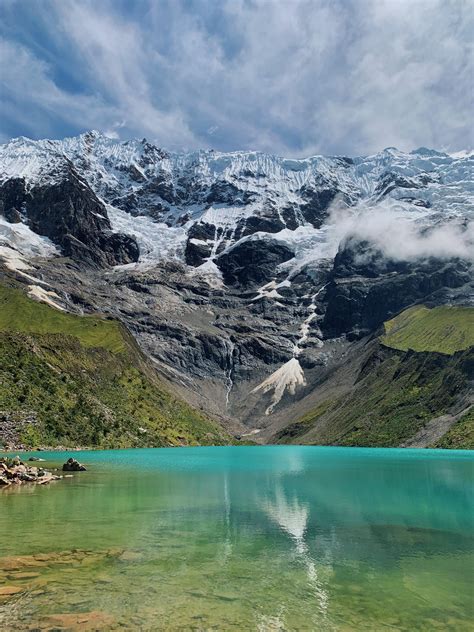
(227, 268)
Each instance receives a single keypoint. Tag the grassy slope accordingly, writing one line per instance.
(461, 435)
(399, 391)
(442, 329)
(19, 313)
(87, 382)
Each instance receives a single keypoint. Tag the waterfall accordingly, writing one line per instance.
(230, 347)
(306, 324)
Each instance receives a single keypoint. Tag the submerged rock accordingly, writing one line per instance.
(82, 621)
(7, 591)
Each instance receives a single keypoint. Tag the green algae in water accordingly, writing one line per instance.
(243, 538)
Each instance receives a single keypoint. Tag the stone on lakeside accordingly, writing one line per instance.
(72, 465)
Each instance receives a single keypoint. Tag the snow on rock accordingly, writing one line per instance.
(13, 259)
(287, 377)
(270, 290)
(155, 240)
(15, 262)
(27, 243)
(157, 196)
(210, 273)
(45, 296)
(306, 324)
(18, 244)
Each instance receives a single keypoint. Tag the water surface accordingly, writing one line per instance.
(243, 538)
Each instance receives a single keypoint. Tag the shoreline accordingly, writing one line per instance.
(14, 471)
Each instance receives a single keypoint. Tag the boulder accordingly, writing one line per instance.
(13, 471)
(72, 465)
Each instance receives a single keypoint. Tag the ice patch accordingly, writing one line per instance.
(21, 238)
(270, 290)
(45, 296)
(18, 243)
(210, 273)
(13, 260)
(287, 377)
(251, 433)
(306, 324)
(156, 240)
(464, 153)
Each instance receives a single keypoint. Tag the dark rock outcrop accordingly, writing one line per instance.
(367, 288)
(223, 192)
(199, 244)
(12, 198)
(259, 223)
(120, 248)
(71, 215)
(72, 465)
(316, 204)
(253, 261)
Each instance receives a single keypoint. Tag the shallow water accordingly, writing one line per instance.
(243, 538)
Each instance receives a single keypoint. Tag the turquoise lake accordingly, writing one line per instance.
(242, 538)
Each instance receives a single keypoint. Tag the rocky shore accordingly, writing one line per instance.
(13, 471)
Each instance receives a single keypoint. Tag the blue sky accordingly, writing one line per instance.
(293, 77)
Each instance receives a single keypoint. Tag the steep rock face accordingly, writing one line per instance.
(367, 288)
(253, 261)
(199, 245)
(69, 213)
(12, 199)
(316, 203)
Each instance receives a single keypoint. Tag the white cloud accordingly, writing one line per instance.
(30, 95)
(294, 78)
(401, 237)
(117, 61)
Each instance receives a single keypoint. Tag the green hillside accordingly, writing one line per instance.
(442, 329)
(81, 381)
(423, 368)
(461, 435)
(20, 313)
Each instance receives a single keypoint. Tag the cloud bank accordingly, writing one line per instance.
(294, 78)
(400, 237)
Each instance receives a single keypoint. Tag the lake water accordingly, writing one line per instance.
(242, 538)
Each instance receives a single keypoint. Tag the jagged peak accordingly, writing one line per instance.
(210, 155)
(426, 151)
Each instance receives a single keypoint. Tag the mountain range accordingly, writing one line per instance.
(157, 298)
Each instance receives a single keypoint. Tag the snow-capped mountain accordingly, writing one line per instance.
(246, 277)
(195, 206)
